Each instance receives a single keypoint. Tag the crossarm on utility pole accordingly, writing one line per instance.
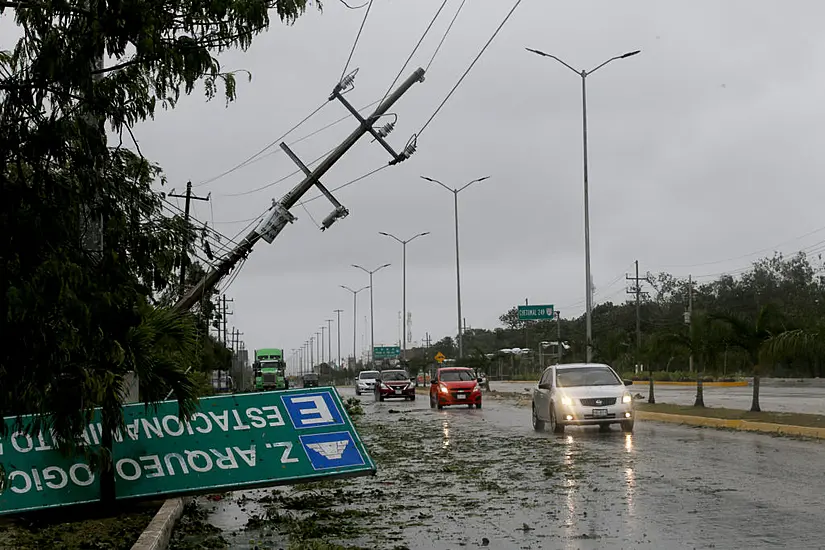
(279, 215)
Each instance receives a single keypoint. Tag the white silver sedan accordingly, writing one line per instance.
(582, 394)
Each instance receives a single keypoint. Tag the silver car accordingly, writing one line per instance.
(365, 383)
(582, 394)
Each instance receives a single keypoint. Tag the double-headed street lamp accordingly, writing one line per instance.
(455, 193)
(589, 286)
(404, 286)
(354, 319)
(372, 311)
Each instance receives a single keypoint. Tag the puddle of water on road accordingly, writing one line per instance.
(451, 479)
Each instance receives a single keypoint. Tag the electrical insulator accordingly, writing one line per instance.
(385, 130)
(408, 151)
(346, 83)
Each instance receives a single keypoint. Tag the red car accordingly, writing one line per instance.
(455, 386)
(394, 383)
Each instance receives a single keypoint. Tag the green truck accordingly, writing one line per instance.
(270, 370)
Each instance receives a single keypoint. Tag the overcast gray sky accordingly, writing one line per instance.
(702, 149)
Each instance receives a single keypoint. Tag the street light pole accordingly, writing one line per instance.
(372, 308)
(338, 312)
(354, 321)
(455, 193)
(588, 282)
(329, 341)
(404, 287)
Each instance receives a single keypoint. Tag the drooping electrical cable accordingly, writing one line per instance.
(463, 76)
(357, 38)
(262, 151)
(447, 32)
(415, 49)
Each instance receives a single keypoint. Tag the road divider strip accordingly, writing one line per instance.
(737, 384)
(734, 424)
(157, 534)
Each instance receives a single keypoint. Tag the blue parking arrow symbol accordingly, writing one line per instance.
(331, 450)
(312, 410)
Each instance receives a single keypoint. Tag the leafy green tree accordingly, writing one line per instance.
(86, 246)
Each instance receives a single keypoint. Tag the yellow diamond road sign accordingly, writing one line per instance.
(439, 357)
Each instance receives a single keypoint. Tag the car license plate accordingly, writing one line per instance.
(599, 413)
(397, 392)
(460, 395)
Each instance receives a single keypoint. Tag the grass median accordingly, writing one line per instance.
(787, 419)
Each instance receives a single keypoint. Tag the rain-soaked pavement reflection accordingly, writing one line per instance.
(469, 478)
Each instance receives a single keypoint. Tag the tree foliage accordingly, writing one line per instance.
(86, 247)
(739, 325)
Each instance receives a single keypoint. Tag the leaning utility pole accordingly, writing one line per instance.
(689, 319)
(279, 216)
(188, 196)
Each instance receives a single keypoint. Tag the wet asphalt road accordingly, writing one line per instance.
(778, 399)
(460, 478)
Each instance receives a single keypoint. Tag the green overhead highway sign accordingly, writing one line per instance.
(535, 313)
(386, 352)
(233, 442)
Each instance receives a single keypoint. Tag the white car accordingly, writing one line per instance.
(365, 383)
(582, 394)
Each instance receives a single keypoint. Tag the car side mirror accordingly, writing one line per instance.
(412, 379)
(433, 382)
(628, 382)
(479, 380)
(545, 387)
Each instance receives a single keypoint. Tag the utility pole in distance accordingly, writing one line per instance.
(636, 289)
(188, 196)
(338, 312)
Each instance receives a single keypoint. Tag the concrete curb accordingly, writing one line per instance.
(732, 424)
(157, 534)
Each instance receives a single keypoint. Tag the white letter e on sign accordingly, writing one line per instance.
(321, 409)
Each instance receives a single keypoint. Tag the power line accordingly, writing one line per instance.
(276, 182)
(460, 80)
(262, 151)
(443, 38)
(768, 249)
(420, 40)
(357, 37)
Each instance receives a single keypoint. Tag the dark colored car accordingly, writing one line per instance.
(394, 383)
(310, 380)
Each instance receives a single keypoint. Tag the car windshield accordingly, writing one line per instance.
(586, 376)
(456, 376)
(394, 375)
(368, 374)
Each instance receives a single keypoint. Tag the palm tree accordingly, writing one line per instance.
(703, 339)
(751, 335)
(158, 350)
(808, 343)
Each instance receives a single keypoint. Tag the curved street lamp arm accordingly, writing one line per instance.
(419, 235)
(439, 183)
(361, 268)
(623, 56)
(472, 182)
(543, 54)
(391, 235)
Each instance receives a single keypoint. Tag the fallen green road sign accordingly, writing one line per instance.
(233, 442)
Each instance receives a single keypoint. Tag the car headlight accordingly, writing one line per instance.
(627, 398)
(566, 401)
(444, 389)
(476, 388)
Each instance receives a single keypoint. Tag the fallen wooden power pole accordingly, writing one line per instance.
(279, 216)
